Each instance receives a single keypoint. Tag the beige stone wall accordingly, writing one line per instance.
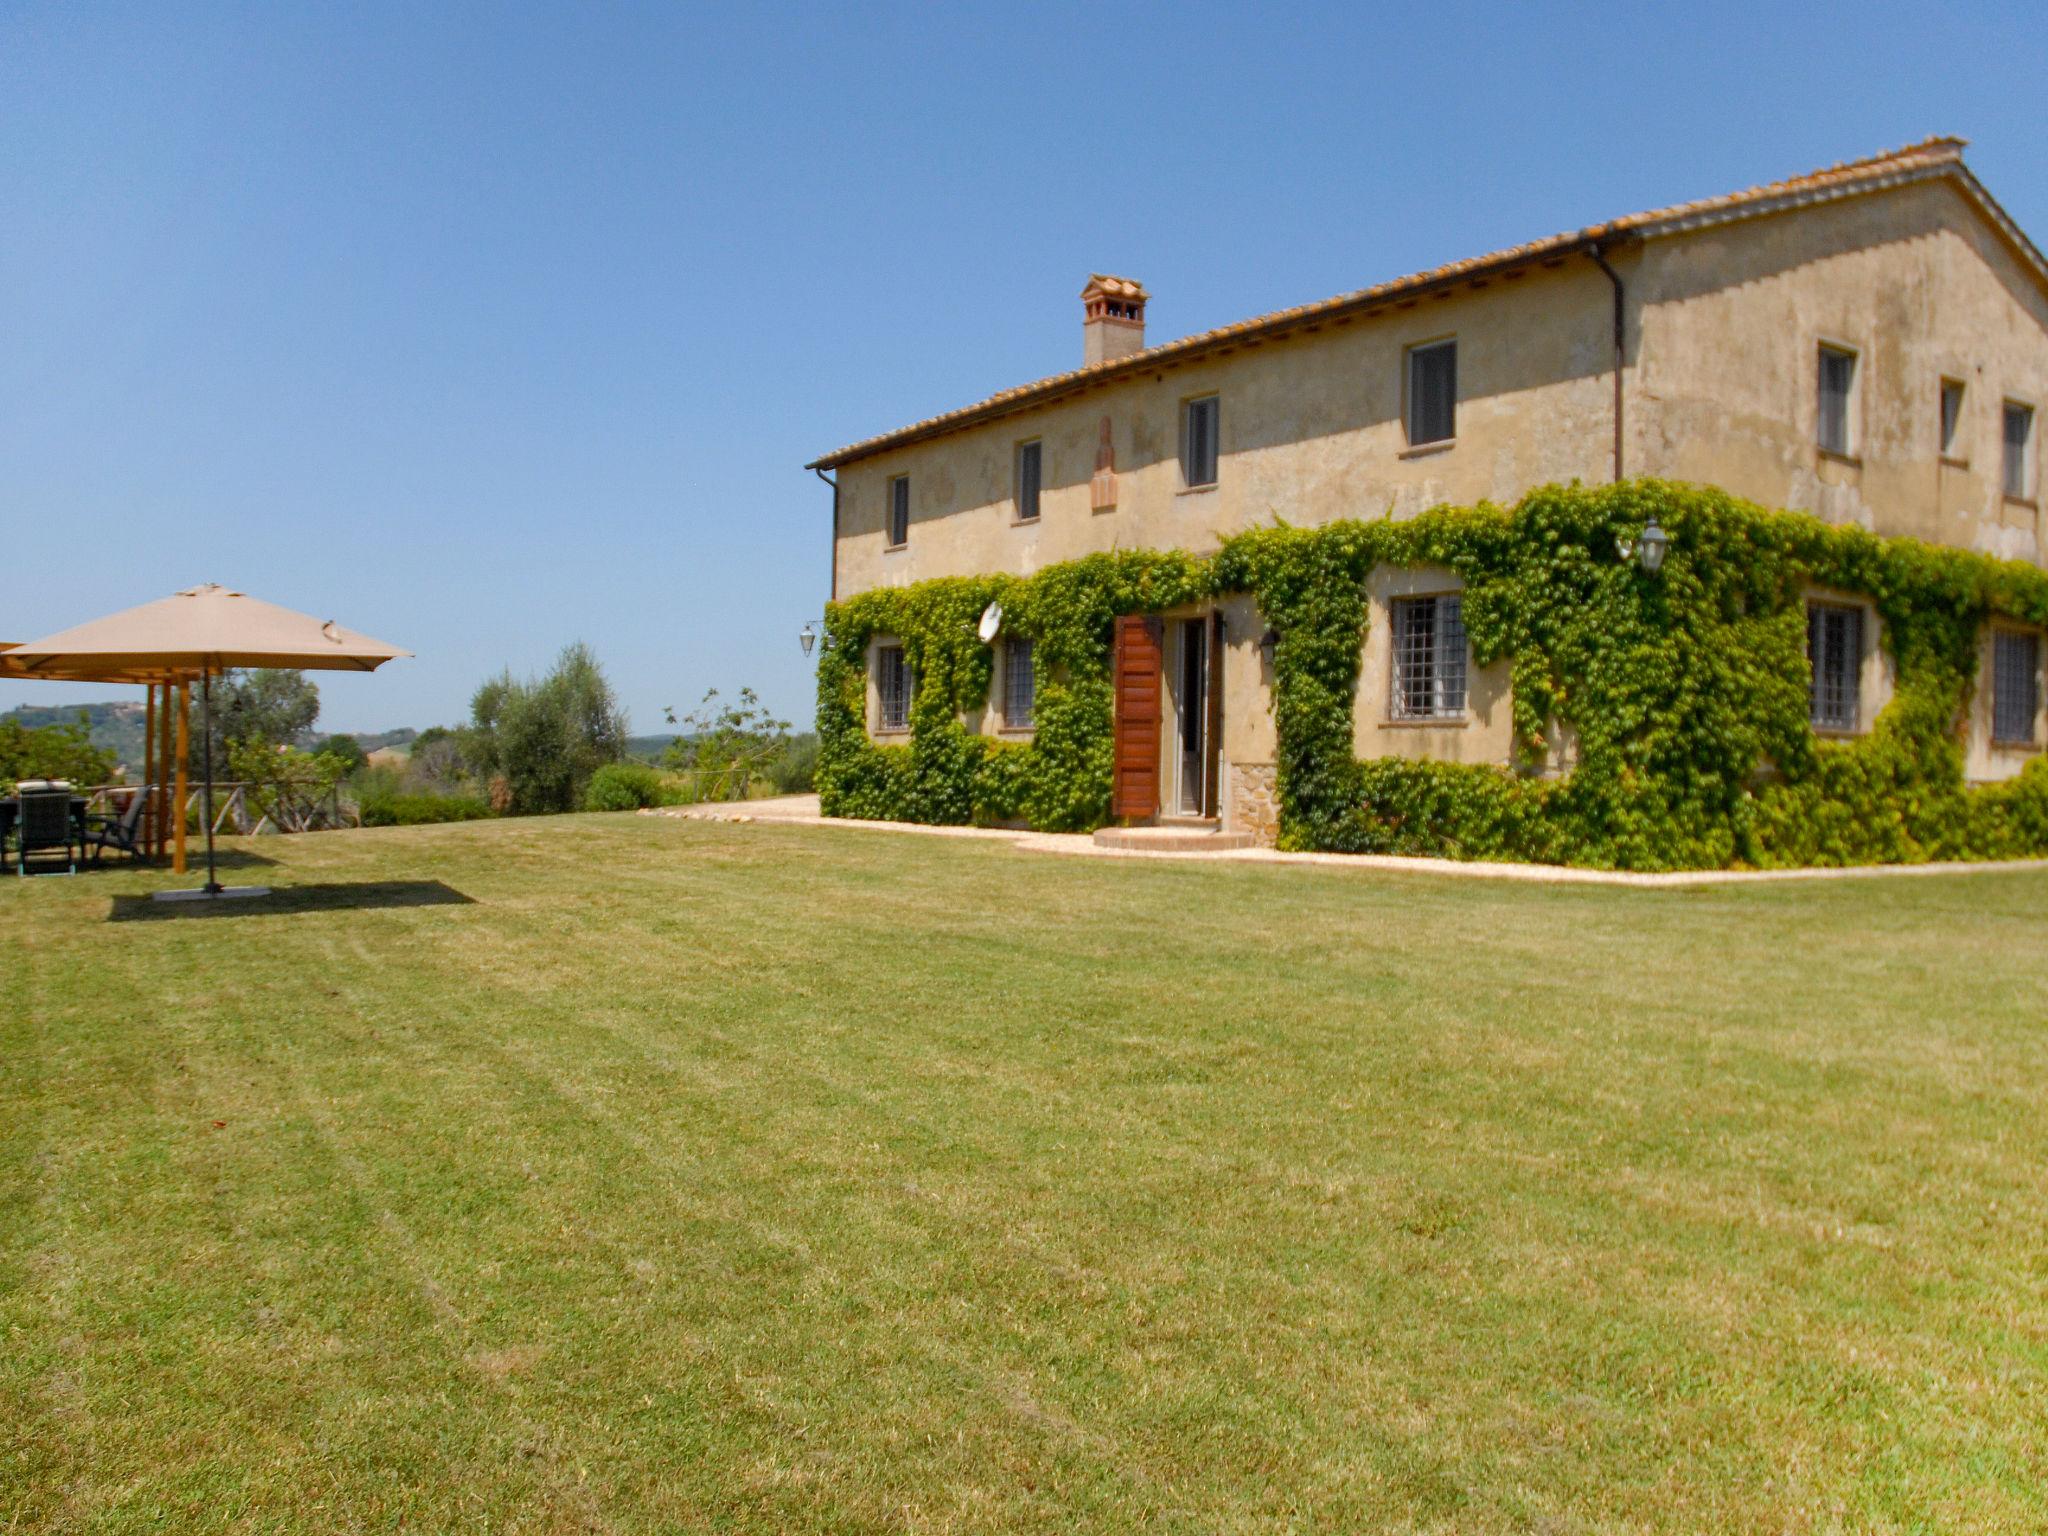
(1311, 430)
(1721, 388)
(1723, 383)
(1725, 326)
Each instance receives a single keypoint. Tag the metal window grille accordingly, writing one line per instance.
(1028, 472)
(1200, 420)
(1837, 378)
(1020, 683)
(2015, 685)
(1429, 657)
(899, 510)
(1433, 393)
(1951, 414)
(1834, 650)
(892, 684)
(2019, 433)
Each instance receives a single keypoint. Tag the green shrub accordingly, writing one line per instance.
(404, 810)
(1685, 693)
(52, 752)
(625, 787)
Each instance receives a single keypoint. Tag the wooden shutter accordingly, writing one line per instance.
(1138, 669)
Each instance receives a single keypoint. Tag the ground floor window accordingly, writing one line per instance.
(1020, 683)
(2015, 685)
(1834, 650)
(1429, 657)
(892, 687)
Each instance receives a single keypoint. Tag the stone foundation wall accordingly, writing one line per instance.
(1254, 804)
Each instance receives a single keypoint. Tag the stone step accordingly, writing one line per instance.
(1173, 839)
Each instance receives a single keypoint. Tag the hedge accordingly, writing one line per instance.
(1685, 693)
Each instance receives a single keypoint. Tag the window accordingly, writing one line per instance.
(899, 511)
(1029, 460)
(1951, 416)
(2015, 685)
(1199, 420)
(1834, 650)
(1429, 657)
(1020, 684)
(892, 686)
(1837, 383)
(2019, 439)
(1432, 393)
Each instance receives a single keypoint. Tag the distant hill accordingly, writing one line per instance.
(116, 726)
(648, 749)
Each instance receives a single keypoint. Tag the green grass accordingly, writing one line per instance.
(731, 1178)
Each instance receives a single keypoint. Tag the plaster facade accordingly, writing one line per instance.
(1722, 329)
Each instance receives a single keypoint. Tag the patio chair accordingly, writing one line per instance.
(122, 833)
(46, 822)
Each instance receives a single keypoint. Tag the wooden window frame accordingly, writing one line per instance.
(1852, 437)
(1817, 610)
(1013, 720)
(2031, 741)
(1188, 408)
(1017, 513)
(1950, 434)
(883, 725)
(2028, 453)
(890, 538)
(1411, 404)
(1399, 711)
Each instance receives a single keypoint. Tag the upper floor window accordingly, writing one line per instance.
(1432, 393)
(2019, 444)
(2015, 685)
(1429, 657)
(1837, 390)
(1020, 681)
(1951, 417)
(892, 688)
(899, 511)
(1030, 458)
(1199, 423)
(1834, 650)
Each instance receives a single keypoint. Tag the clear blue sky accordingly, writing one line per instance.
(487, 328)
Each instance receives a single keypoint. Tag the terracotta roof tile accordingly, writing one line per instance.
(1929, 157)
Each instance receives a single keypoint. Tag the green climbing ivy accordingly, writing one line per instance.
(1659, 722)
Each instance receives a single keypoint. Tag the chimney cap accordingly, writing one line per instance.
(1114, 287)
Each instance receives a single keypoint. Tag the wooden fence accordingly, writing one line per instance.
(239, 807)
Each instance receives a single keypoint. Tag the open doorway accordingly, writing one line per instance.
(1196, 707)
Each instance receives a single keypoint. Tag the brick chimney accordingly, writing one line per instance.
(1113, 318)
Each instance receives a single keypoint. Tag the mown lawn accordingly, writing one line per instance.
(646, 1175)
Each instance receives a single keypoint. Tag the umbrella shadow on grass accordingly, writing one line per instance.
(338, 896)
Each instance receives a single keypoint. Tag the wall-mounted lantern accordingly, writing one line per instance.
(1648, 548)
(1269, 643)
(809, 637)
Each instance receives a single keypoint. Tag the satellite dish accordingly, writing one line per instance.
(991, 622)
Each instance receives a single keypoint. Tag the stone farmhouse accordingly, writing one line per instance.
(1867, 343)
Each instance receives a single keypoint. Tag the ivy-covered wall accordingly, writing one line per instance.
(1684, 693)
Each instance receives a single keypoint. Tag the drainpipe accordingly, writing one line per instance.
(835, 528)
(1620, 344)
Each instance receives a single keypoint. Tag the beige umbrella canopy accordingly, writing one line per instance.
(201, 631)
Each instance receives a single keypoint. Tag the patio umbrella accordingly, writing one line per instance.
(203, 631)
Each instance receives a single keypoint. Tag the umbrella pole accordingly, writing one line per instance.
(212, 886)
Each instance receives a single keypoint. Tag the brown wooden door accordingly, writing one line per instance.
(1139, 678)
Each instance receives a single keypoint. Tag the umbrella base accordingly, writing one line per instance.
(214, 893)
